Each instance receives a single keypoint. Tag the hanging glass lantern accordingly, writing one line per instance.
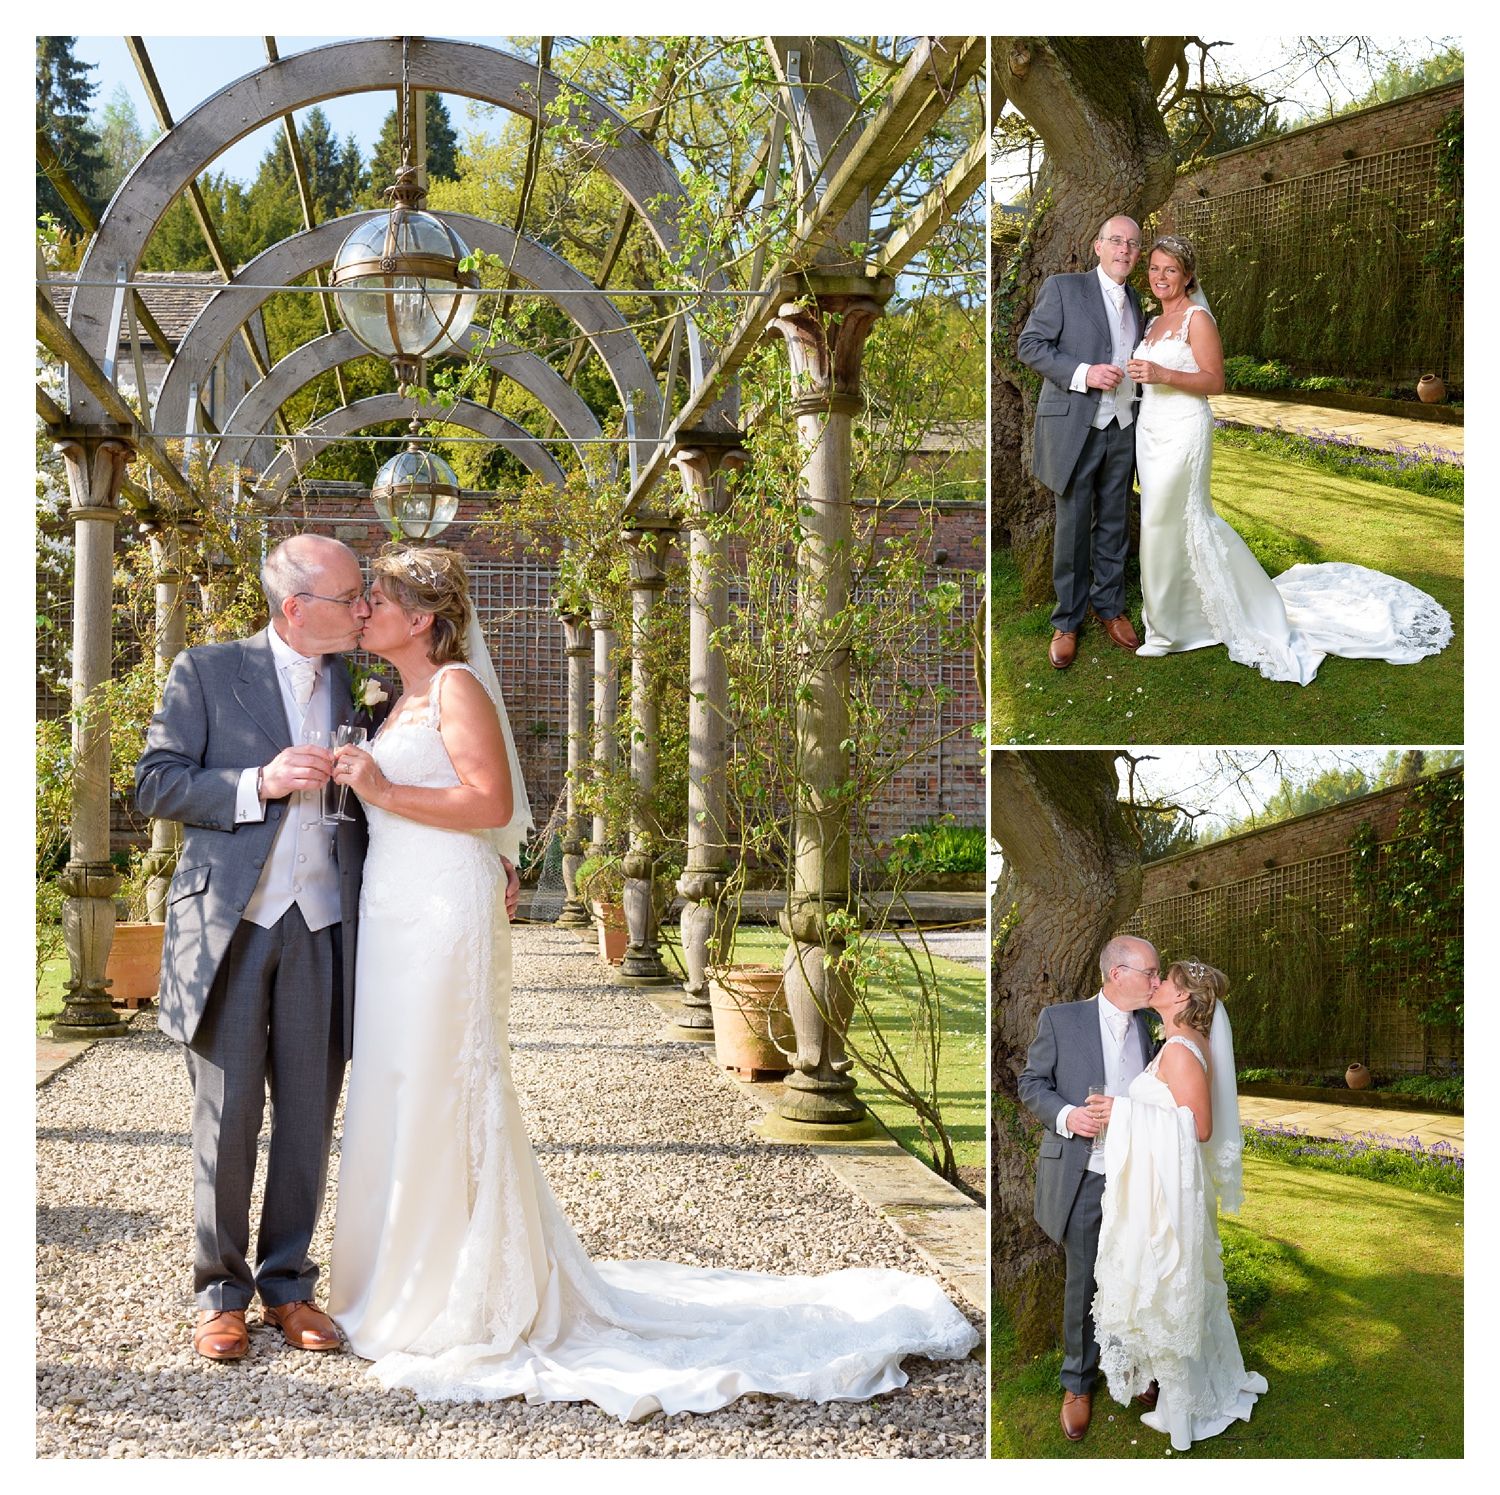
(416, 493)
(399, 288)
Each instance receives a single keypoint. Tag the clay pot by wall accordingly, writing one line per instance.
(1357, 1077)
(1431, 390)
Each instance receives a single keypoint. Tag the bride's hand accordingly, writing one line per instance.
(1143, 371)
(356, 768)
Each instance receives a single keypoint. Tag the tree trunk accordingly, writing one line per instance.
(1072, 878)
(1092, 100)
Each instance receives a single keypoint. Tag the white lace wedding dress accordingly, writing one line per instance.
(453, 1267)
(1201, 584)
(1161, 1308)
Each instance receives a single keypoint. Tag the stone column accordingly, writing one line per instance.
(825, 320)
(705, 458)
(606, 709)
(171, 639)
(646, 544)
(576, 647)
(96, 458)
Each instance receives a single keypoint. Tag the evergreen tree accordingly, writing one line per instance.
(63, 94)
(442, 148)
(336, 172)
(121, 139)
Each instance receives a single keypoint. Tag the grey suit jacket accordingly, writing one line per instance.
(221, 713)
(1067, 326)
(1065, 1058)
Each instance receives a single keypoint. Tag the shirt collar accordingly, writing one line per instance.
(284, 655)
(1111, 289)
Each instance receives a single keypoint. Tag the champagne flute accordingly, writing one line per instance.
(345, 736)
(1098, 1142)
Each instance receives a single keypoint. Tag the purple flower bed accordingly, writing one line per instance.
(1437, 1168)
(1422, 469)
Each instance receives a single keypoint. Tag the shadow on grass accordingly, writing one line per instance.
(1351, 1306)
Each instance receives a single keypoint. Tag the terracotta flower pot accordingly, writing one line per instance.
(134, 965)
(1357, 1077)
(1431, 390)
(614, 937)
(750, 1017)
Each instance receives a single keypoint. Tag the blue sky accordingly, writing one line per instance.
(193, 67)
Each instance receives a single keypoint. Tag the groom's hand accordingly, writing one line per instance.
(512, 888)
(294, 769)
(1082, 1122)
(1103, 376)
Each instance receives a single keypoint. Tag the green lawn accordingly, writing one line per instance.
(1287, 512)
(49, 997)
(1356, 1297)
(961, 1076)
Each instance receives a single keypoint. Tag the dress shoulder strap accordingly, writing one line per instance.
(432, 688)
(1188, 1043)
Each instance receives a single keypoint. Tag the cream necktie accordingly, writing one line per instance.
(1119, 1023)
(303, 674)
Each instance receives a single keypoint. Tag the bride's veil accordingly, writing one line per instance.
(1197, 297)
(1227, 1143)
(508, 839)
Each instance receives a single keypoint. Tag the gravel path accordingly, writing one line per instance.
(649, 1156)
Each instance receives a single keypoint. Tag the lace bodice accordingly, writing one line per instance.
(1173, 351)
(1155, 1066)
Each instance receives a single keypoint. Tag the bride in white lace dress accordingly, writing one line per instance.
(453, 1267)
(1172, 1162)
(1200, 582)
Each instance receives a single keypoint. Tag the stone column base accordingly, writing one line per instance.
(776, 1128)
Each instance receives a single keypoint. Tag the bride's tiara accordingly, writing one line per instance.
(421, 571)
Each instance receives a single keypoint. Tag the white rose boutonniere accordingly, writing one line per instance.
(373, 694)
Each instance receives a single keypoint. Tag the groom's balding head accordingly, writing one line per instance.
(1129, 969)
(316, 592)
(1118, 246)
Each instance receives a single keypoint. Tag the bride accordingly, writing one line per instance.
(1201, 584)
(453, 1267)
(1171, 1162)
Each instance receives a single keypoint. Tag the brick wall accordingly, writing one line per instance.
(1367, 132)
(1319, 833)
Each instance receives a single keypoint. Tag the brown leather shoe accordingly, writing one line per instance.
(1076, 1411)
(1062, 649)
(1120, 632)
(1147, 1398)
(306, 1326)
(221, 1334)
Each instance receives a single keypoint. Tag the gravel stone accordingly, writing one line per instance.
(649, 1156)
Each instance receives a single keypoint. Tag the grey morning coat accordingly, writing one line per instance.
(1065, 1058)
(1067, 326)
(222, 712)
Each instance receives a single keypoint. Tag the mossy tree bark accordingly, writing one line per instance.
(1094, 102)
(1072, 878)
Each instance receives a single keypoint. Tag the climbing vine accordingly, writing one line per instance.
(1409, 896)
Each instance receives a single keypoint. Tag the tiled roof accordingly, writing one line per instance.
(173, 297)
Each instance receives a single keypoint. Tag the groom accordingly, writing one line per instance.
(258, 959)
(1105, 1042)
(1079, 337)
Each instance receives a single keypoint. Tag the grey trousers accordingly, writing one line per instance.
(1080, 1246)
(274, 1021)
(1092, 536)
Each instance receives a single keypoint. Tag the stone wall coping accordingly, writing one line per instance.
(1281, 825)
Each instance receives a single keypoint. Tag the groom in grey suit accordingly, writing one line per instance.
(258, 956)
(1105, 1042)
(1079, 337)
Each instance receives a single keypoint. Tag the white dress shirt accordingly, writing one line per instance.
(1116, 403)
(1123, 1061)
(301, 867)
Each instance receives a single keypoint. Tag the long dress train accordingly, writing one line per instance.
(1201, 584)
(453, 1267)
(1161, 1307)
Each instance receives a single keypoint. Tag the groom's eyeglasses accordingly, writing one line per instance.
(1142, 970)
(358, 597)
(1116, 241)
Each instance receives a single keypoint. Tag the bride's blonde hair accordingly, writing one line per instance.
(1206, 988)
(1181, 250)
(429, 580)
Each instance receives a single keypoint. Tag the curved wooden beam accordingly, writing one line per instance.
(388, 407)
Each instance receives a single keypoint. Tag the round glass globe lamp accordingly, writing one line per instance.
(399, 288)
(416, 494)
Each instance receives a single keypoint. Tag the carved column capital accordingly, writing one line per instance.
(702, 457)
(646, 550)
(825, 320)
